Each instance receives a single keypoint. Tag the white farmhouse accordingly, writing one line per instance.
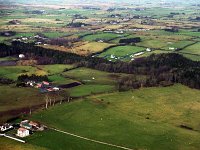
(171, 48)
(148, 49)
(21, 56)
(22, 132)
(138, 54)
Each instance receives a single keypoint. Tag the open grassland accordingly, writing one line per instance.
(147, 118)
(193, 49)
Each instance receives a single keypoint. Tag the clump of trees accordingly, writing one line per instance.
(62, 41)
(173, 29)
(33, 77)
(8, 33)
(15, 22)
(6, 81)
(130, 40)
(77, 24)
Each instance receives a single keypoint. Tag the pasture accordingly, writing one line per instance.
(101, 36)
(12, 72)
(15, 101)
(90, 89)
(178, 44)
(156, 44)
(91, 76)
(148, 118)
(193, 49)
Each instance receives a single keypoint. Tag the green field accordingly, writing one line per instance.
(192, 57)
(59, 79)
(121, 52)
(193, 49)
(157, 44)
(101, 36)
(91, 76)
(12, 72)
(178, 45)
(93, 47)
(89, 89)
(147, 118)
(55, 68)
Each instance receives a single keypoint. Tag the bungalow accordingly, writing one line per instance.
(22, 132)
(138, 54)
(25, 124)
(148, 50)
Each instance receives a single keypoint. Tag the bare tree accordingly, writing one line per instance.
(46, 100)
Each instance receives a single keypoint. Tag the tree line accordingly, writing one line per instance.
(159, 70)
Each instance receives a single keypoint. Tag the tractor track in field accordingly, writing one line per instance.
(92, 140)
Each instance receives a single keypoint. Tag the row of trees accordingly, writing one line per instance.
(33, 77)
(5, 81)
(162, 69)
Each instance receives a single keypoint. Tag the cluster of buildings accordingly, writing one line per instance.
(43, 86)
(113, 31)
(38, 39)
(27, 127)
(24, 128)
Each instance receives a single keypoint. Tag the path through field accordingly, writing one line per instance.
(95, 141)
